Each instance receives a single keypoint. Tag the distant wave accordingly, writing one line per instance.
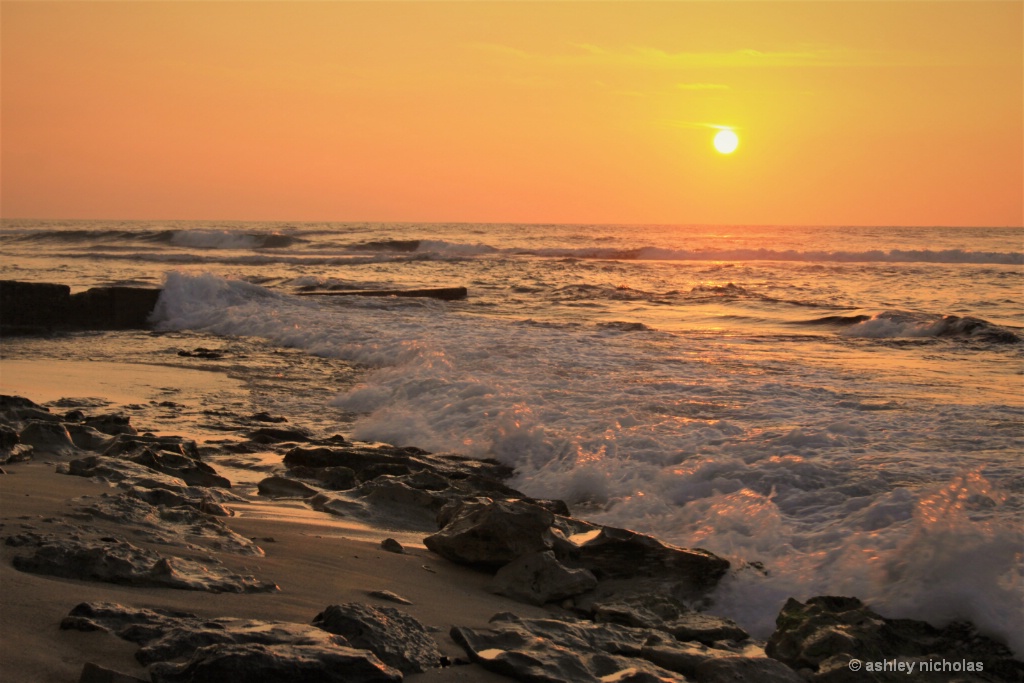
(878, 256)
(903, 324)
(191, 239)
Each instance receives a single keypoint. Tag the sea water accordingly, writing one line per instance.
(837, 410)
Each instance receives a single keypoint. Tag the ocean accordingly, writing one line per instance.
(837, 410)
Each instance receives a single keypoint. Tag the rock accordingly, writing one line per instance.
(276, 434)
(231, 649)
(392, 546)
(114, 424)
(613, 553)
(389, 596)
(32, 307)
(111, 308)
(167, 525)
(282, 487)
(823, 634)
(490, 534)
(565, 651)
(88, 438)
(128, 442)
(661, 611)
(276, 664)
(93, 673)
(733, 669)
(15, 410)
(538, 578)
(444, 293)
(398, 639)
(192, 472)
(114, 470)
(11, 448)
(112, 560)
(48, 438)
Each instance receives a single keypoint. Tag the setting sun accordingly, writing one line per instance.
(726, 141)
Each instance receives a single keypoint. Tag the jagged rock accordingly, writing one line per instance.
(490, 534)
(823, 634)
(206, 500)
(192, 472)
(116, 561)
(276, 664)
(11, 448)
(614, 553)
(661, 611)
(231, 649)
(115, 470)
(354, 457)
(94, 673)
(538, 578)
(112, 424)
(564, 651)
(15, 410)
(282, 487)
(88, 438)
(48, 438)
(168, 525)
(398, 639)
(130, 442)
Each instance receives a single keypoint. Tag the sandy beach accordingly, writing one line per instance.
(315, 559)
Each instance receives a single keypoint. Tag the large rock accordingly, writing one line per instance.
(538, 578)
(257, 663)
(48, 439)
(112, 560)
(565, 651)
(395, 637)
(32, 307)
(822, 635)
(282, 487)
(226, 649)
(612, 553)
(28, 307)
(491, 533)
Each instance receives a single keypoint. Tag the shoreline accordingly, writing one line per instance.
(315, 558)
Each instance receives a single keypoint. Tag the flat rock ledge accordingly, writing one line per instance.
(180, 647)
(34, 308)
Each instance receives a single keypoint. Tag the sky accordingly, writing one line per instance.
(848, 113)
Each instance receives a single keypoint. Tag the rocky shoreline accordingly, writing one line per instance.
(600, 604)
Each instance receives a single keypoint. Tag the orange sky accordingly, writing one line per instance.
(866, 113)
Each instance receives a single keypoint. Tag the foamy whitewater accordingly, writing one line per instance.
(842, 406)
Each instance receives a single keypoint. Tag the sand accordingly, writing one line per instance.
(316, 560)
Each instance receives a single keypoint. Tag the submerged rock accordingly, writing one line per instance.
(825, 633)
(398, 639)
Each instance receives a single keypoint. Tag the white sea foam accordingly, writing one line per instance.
(693, 440)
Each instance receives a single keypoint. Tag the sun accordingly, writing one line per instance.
(726, 141)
